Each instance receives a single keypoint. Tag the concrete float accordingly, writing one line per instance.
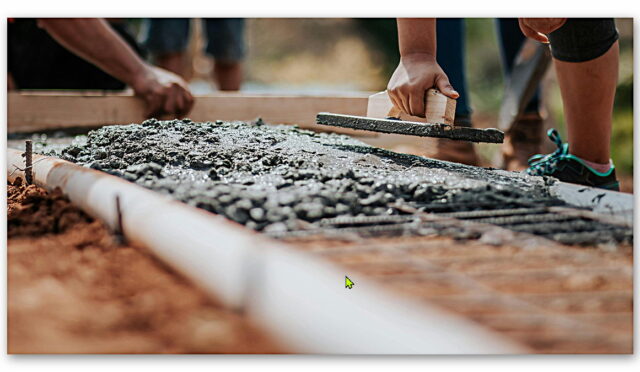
(295, 296)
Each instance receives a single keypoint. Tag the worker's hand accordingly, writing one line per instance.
(538, 28)
(164, 92)
(416, 73)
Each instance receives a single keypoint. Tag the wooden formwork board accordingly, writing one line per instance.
(38, 111)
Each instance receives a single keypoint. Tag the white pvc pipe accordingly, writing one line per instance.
(297, 297)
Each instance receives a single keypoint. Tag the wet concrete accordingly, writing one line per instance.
(410, 128)
(281, 178)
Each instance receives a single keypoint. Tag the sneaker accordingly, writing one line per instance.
(521, 141)
(456, 151)
(570, 168)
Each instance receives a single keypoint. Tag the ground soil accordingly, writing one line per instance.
(73, 289)
(548, 297)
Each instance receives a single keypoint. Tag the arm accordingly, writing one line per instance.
(417, 35)
(418, 69)
(95, 41)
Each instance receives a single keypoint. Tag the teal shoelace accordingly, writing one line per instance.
(545, 164)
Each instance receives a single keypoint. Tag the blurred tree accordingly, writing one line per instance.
(381, 34)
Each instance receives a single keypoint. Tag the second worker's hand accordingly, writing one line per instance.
(538, 28)
(415, 74)
(163, 92)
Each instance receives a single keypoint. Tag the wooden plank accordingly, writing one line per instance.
(439, 109)
(36, 111)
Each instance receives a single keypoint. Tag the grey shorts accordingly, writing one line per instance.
(583, 39)
(225, 37)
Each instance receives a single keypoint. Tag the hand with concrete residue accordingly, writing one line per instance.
(538, 28)
(418, 70)
(164, 92)
(415, 74)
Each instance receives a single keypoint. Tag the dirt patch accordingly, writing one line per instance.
(73, 289)
(549, 297)
(32, 211)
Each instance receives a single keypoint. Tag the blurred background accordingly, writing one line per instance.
(341, 55)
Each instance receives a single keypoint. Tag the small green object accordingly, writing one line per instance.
(348, 283)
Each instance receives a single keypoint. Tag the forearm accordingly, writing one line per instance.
(417, 35)
(95, 41)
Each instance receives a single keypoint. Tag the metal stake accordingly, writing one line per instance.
(28, 159)
(119, 233)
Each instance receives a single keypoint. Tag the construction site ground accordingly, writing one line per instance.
(72, 288)
(552, 298)
(519, 278)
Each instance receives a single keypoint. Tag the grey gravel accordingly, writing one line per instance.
(275, 178)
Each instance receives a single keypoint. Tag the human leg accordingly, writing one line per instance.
(588, 84)
(167, 40)
(585, 53)
(451, 57)
(225, 43)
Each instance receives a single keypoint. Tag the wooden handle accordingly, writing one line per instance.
(394, 112)
(438, 109)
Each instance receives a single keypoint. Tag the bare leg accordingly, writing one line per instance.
(11, 84)
(588, 89)
(174, 62)
(228, 75)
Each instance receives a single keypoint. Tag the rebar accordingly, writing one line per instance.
(28, 162)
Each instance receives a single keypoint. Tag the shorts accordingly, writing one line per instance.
(583, 39)
(225, 37)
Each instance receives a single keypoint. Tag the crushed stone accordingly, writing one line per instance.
(282, 178)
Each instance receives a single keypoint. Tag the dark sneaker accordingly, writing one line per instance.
(570, 168)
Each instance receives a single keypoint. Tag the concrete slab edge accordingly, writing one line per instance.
(600, 201)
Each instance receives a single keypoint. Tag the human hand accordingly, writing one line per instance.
(416, 73)
(164, 92)
(538, 28)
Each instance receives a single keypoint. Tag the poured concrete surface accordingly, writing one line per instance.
(279, 179)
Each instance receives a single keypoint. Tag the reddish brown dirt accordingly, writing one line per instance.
(32, 211)
(546, 296)
(73, 289)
